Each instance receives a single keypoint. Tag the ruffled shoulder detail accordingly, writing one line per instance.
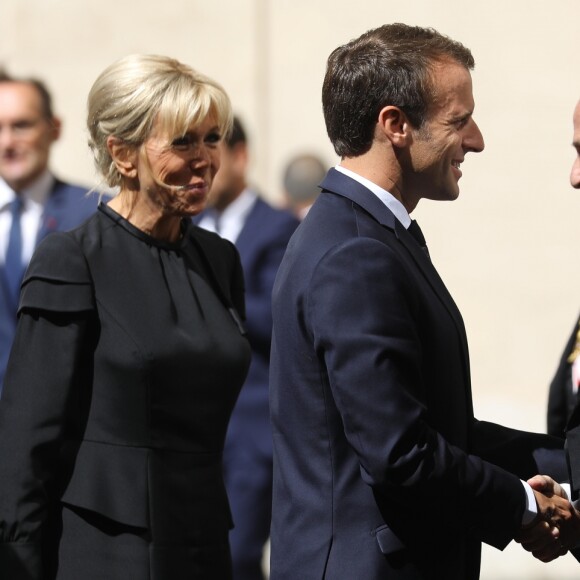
(58, 277)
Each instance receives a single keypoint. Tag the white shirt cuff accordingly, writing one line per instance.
(531, 510)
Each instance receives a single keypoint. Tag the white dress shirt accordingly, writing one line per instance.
(34, 198)
(386, 197)
(229, 223)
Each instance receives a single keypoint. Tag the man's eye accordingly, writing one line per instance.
(23, 125)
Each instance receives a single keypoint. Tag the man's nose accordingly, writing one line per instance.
(7, 137)
(575, 173)
(473, 140)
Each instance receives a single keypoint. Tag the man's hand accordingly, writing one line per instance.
(557, 526)
(546, 485)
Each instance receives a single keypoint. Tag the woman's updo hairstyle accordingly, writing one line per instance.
(131, 94)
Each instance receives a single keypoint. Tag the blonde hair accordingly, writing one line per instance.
(133, 93)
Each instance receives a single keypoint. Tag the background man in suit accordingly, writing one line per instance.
(564, 397)
(563, 408)
(260, 233)
(33, 202)
(380, 468)
(302, 176)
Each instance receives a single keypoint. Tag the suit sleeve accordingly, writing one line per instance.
(260, 280)
(365, 330)
(520, 452)
(43, 376)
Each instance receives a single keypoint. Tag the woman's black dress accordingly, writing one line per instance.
(128, 359)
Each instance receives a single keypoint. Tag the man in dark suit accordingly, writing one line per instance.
(32, 201)
(380, 468)
(564, 389)
(260, 233)
(563, 407)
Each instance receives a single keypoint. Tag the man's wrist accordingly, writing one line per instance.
(531, 511)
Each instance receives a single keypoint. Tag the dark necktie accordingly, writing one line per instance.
(416, 232)
(13, 267)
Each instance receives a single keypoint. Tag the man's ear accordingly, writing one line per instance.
(55, 128)
(394, 126)
(124, 156)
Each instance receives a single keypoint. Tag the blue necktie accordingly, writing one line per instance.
(13, 267)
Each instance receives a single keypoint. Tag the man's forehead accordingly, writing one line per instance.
(19, 95)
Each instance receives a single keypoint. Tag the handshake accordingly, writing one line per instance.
(556, 529)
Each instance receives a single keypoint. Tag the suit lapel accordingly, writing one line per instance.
(251, 225)
(343, 185)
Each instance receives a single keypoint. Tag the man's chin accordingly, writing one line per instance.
(16, 179)
(446, 195)
(11, 173)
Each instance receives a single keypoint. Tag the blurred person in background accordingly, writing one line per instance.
(260, 233)
(33, 202)
(302, 177)
(129, 354)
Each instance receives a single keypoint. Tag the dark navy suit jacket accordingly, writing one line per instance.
(66, 207)
(261, 245)
(379, 463)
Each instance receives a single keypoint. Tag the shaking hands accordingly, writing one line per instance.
(556, 528)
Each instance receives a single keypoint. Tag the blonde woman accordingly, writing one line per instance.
(129, 355)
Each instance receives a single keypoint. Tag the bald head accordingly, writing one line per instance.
(302, 176)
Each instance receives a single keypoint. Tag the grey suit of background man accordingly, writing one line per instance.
(33, 202)
(381, 470)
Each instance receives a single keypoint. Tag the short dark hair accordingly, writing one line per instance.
(237, 134)
(38, 85)
(389, 65)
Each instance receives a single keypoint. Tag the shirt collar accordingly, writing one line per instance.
(387, 198)
(240, 207)
(37, 191)
(233, 217)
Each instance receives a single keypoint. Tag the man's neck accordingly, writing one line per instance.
(227, 198)
(383, 171)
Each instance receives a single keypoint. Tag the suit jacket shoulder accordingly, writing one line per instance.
(266, 224)
(67, 206)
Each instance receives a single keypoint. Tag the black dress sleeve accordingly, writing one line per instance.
(44, 371)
